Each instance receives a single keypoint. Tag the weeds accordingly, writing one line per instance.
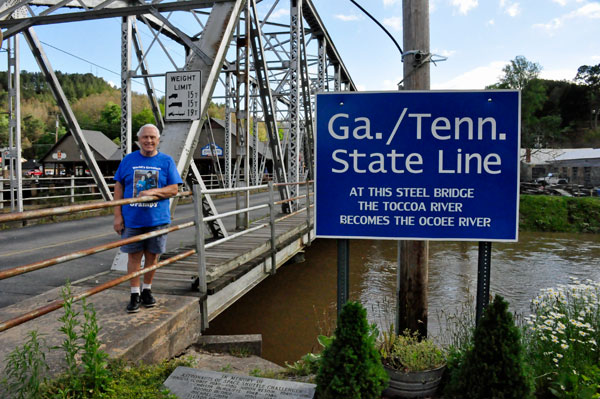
(88, 373)
(93, 359)
(26, 368)
(70, 344)
(240, 351)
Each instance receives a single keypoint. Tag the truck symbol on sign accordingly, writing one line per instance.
(176, 113)
(174, 95)
(176, 104)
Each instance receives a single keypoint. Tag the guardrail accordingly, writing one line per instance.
(69, 190)
(201, 246)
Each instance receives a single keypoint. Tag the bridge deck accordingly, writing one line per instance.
(225, 262)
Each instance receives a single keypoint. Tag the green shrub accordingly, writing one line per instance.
(494, 367)
(351, 367)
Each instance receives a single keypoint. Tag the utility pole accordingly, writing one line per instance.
(413, 256)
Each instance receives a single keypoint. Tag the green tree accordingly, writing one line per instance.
(351, 367)
(521, 74)
(32, 129)
(141, 118)
(43, 144)
(494, 367)
(3, 130)
(590, 76)
(109, 122)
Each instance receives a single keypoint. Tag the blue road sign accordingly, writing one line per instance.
(434, 165)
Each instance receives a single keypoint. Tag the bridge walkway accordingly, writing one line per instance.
(233, 268)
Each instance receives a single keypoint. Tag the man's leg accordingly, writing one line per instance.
(134, 262)
(150, 259)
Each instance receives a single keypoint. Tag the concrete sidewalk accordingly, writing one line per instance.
(151, 335)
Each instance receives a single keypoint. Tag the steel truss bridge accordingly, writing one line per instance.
(265, 72)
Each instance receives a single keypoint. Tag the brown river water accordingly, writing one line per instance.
(292, 307)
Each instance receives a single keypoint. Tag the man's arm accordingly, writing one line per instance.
(118, 224)
(161, 193)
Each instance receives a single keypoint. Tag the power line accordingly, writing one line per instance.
(91, 63)
(379, 24)
(79, 58)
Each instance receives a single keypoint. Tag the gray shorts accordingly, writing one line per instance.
(156, 245)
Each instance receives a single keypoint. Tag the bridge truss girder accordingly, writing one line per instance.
(294, 61)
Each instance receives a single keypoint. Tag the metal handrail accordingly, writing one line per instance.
(5, 325)
(201, 246)
(18, 216)
(15, 271)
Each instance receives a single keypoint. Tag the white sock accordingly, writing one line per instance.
(146, 286)
(135, 290)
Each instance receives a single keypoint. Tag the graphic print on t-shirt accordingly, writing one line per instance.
(144, 180)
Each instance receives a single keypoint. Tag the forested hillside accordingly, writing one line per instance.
(95, 103)
(553, 113)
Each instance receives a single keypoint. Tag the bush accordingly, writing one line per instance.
(494, 367)
(351, 367)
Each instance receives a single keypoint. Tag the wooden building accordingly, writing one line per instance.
(65, 158)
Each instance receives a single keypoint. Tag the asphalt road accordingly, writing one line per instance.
(38, 242)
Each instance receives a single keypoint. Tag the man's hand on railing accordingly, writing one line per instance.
(161, 193)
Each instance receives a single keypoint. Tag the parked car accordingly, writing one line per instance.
(552, 179)
(33, 172)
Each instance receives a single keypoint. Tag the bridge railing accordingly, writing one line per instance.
(200, 249)
(67, 189)
(53, 190)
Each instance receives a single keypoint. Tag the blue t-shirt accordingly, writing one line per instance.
(137, 173)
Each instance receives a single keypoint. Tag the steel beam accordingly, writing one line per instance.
(228, 130)
(112, 10)
(318, 28)
(61, 100)
(268, 106)
(126, 35)
(14, 122)
(139, 51)
(294, 133)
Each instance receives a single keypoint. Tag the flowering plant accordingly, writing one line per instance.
(563, 331)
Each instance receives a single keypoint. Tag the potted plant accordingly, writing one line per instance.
(415, 364)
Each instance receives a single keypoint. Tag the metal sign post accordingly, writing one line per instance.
(484, 268)
(343, 273)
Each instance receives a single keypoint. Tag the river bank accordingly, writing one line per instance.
(544, 213)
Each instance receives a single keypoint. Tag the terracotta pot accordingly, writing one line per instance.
(413, 384)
